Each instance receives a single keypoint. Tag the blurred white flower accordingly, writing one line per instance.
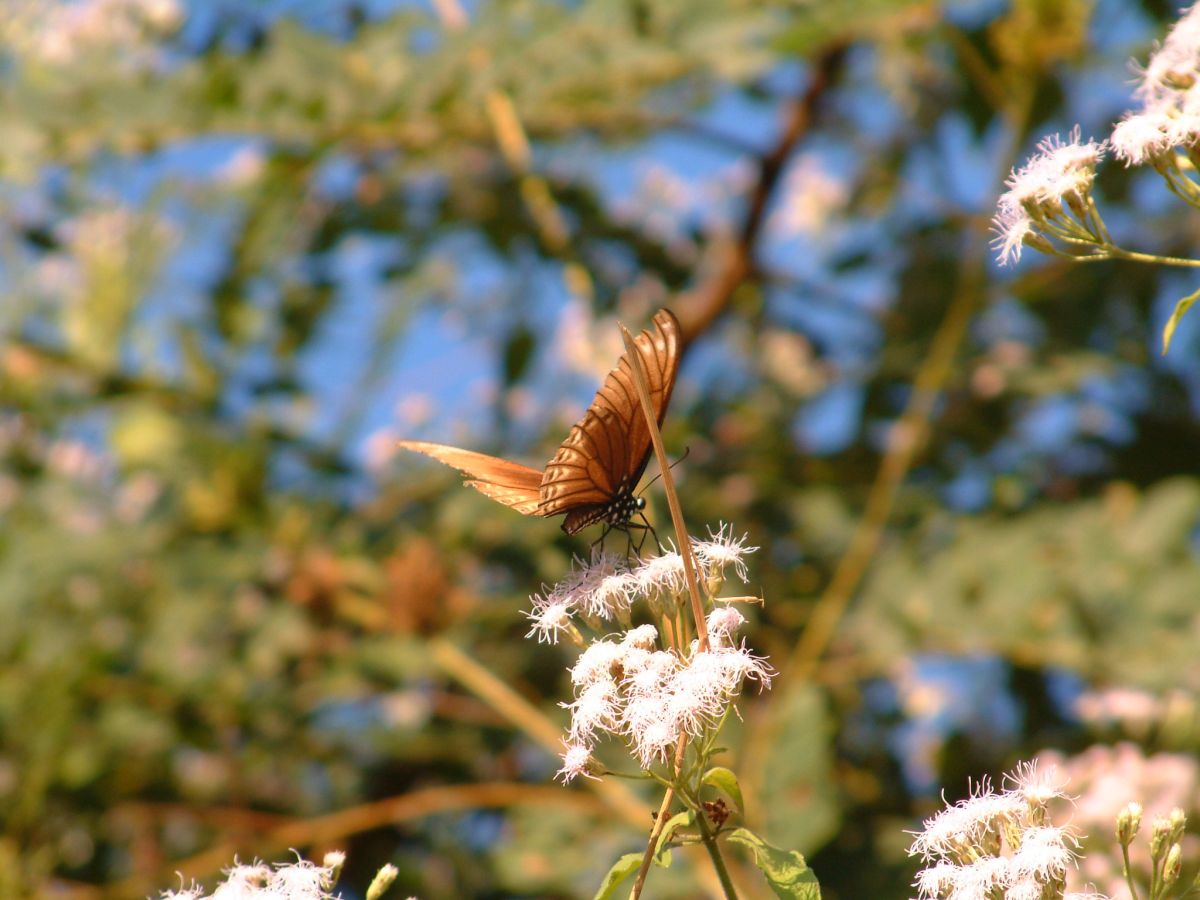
(300, 880)
(244, 167)
(1142, 137)
(61, 34)
(661, 574)
(810, 196)
(549, 621)
(1172, 70)
(1061, 172)
(1000, 845)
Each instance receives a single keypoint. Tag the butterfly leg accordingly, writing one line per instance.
(647, 528)
(599, 542)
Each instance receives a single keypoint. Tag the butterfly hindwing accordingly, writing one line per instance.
(510, 483)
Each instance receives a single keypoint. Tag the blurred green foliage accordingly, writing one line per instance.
(218, 610)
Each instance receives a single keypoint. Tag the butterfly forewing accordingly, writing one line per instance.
(607, 450)
(510, 483)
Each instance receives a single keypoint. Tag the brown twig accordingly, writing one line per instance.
(668, 481)
(494, 691)
(660, 822)
(733, 263)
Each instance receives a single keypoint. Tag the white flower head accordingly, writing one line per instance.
(550, 620)
(649, 675)
(1045, 853)
(1013, 227)
(661, 574)
(299, 880)
(643, 637)
(1037, 784)
(1141, 137)
(597, 663)
(611, 596)
(597, 708)
(1173, 68)
(1058, 171)
(583, 579)
(721, 550)
(577, 759)
(998, 845)
(653, 739)
(723, 623)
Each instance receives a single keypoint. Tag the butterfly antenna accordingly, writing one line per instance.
(686, 451)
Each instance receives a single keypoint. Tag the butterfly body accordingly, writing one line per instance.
(592, 476)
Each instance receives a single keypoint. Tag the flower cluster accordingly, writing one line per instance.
(649, 697)
(1043, 195)
(300, 880)
(1170, 95)
(632, 685)
(1000, 845)
(604, 589)
(1049, 204)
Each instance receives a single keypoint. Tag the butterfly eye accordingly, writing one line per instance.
(640, 503)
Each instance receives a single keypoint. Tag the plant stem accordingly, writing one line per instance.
(685, 545)
(718, 861)
(1133, 892)
(1116, 251)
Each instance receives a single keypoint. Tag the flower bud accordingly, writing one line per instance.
(1129, 820)
(1038, 242)
(1178, 820)
(1174, 864)
(382, 881)
(1160, 837)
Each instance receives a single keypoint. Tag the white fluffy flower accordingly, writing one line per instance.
(576, 760)
(597, 663)
(998, 845)
(1144, 136)
(643, 637)
(1060, 169)
(1173, 69)
(722, 550)
(597, 708)
(1060, 172)
(549, 620)
(723, 623)
(661, 574)
(301, 880)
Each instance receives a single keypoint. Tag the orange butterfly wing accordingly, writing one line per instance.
(607, 450)
(516, 486)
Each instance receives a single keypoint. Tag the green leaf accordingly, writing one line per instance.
(786, 871)
(621, 869)
(798, 766)
(677, 821)
(1172, 323)
(726, 782)
(629, 863)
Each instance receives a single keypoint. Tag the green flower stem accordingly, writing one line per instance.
(718, 861)
(1120, 253)
(1097, 222)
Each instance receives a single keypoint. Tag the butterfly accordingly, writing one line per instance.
(593, 475)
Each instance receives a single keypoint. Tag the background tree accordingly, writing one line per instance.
(245, 248)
